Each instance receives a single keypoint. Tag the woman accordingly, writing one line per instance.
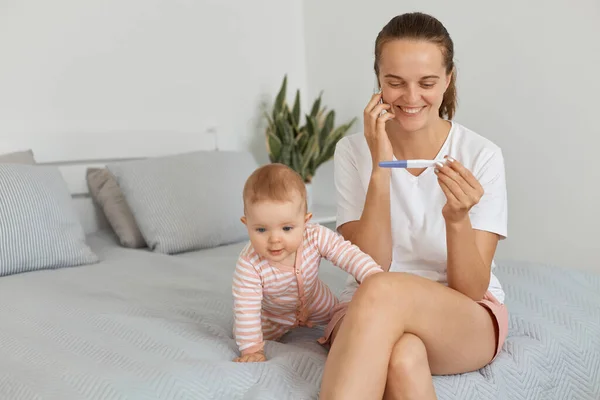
(440, 309)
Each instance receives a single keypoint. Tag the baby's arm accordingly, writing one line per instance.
(345, 255)
(247, 301)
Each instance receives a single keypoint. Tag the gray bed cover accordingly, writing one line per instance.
(147, 326)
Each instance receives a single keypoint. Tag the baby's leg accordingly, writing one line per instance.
(274, 328)
(322, 304)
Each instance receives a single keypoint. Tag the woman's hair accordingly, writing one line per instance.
(421, 26)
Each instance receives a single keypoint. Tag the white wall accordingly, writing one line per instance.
(527, 79)
(145, 66)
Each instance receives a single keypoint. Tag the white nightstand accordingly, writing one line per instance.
(324, 214)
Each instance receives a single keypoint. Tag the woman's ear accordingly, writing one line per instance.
(449, 77)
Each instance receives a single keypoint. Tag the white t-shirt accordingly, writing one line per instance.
(418, 227)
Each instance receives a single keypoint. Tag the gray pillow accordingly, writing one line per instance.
(18, 157)
(187, 201)
(39, 228)
(106, 193)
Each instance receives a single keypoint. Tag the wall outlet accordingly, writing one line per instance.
(214, 132)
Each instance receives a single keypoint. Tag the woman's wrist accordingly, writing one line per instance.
(380, 181)
(460, 225)
(380, 174)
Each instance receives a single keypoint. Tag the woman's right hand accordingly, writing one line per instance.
(374, 126)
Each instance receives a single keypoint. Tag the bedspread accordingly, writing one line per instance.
(140, 325)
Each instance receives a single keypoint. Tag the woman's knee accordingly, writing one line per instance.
(408, 355)
(388, 288)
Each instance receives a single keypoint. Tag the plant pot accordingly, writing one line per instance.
(309, 195)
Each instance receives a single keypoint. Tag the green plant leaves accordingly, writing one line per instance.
(316, 106)
(279, 105)
(296, 110)
(302, 147)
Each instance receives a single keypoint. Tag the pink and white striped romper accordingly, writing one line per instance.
(269, 301)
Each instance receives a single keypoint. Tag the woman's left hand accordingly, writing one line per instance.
(461, 188)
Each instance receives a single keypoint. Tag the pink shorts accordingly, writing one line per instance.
(497, 310)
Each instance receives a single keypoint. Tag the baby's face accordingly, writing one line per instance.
(276, 229)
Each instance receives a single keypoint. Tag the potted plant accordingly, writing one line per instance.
(304, 147)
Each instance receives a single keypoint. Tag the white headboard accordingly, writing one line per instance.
(74, 153)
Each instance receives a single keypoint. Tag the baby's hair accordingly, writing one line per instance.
(274, 182)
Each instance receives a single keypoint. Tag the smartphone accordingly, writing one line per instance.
(377, 89)
(382, 111)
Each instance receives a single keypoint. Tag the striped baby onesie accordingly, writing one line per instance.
(269, 301)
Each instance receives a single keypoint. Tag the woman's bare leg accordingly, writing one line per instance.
(458, 334)
(408, 375)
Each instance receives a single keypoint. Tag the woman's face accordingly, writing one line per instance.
(413, 80)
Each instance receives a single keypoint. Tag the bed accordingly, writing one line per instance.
(155, 322)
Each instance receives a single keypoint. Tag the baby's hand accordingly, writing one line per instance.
(259, 356)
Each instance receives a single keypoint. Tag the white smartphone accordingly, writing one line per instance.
(377, 89)
(382, 111)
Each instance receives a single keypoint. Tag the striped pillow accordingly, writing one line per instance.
(39, 228)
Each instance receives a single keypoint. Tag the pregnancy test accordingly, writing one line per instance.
(410, 163)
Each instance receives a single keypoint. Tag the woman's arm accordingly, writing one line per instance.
(470, 254)
(372, 233)
(475, 216)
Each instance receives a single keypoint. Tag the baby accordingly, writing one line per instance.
(276, 285)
